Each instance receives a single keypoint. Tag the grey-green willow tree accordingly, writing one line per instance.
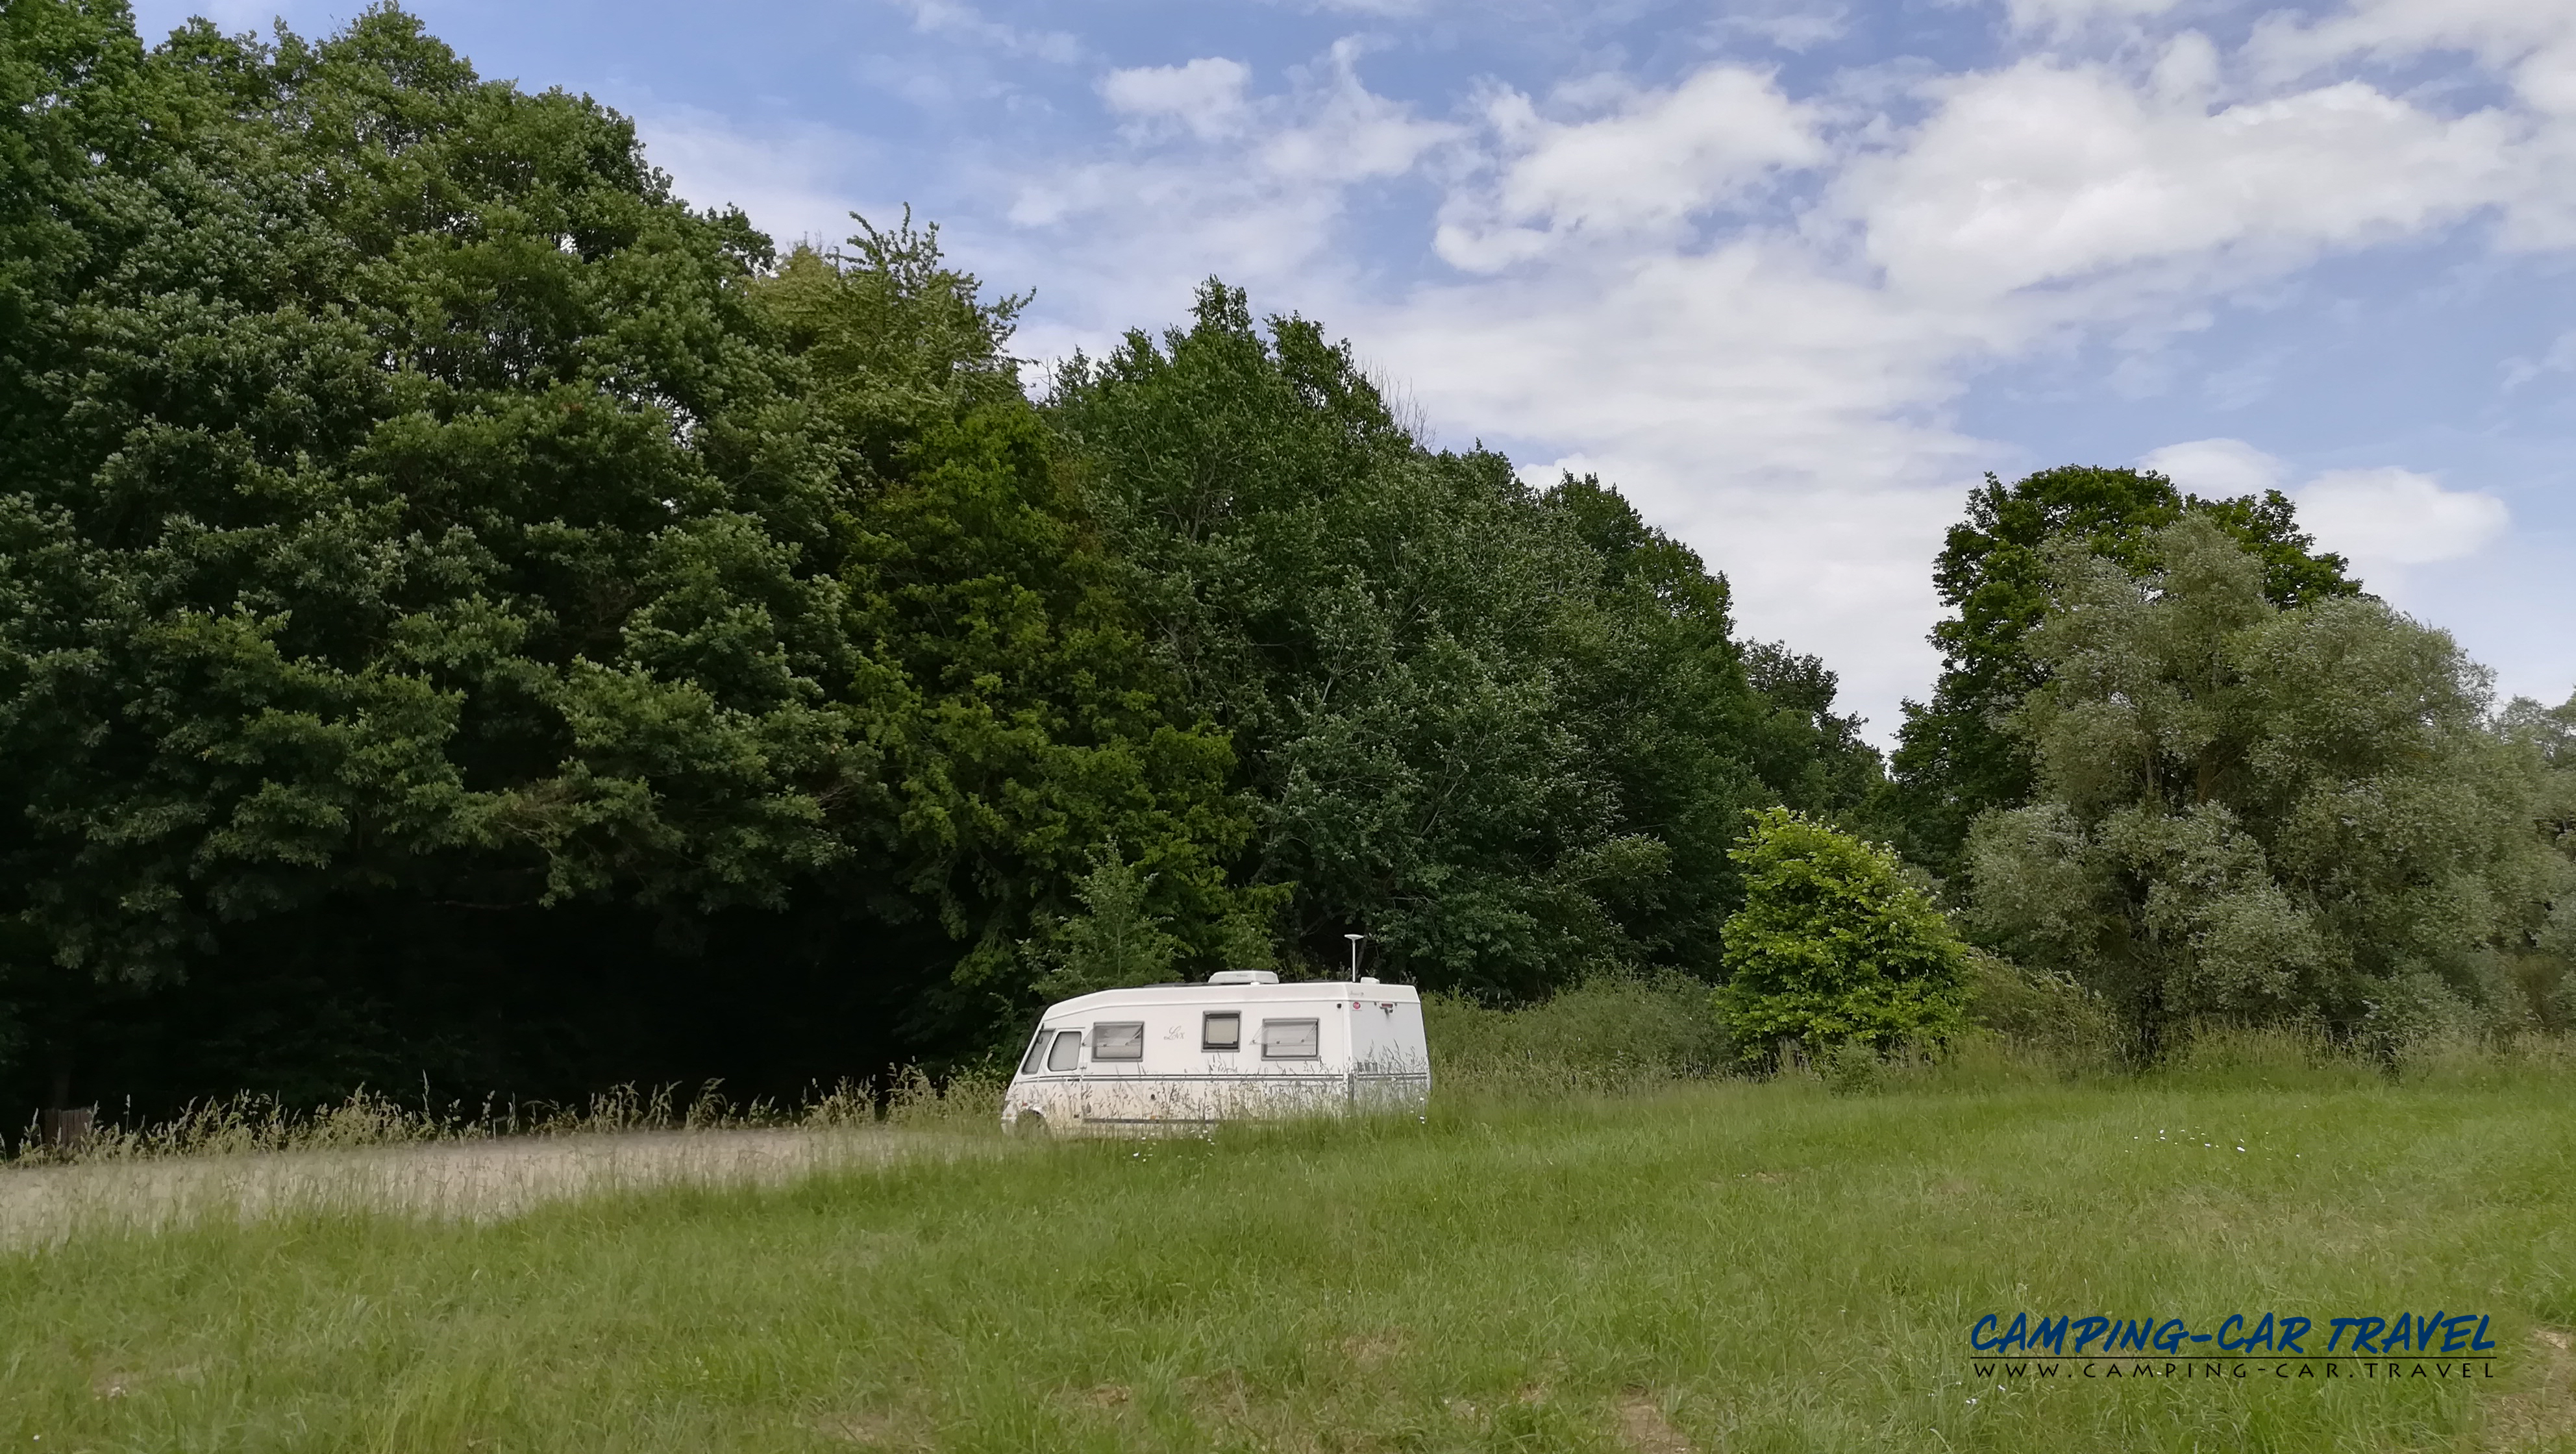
(2259, 814)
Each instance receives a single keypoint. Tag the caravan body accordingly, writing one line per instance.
(1243, 1045)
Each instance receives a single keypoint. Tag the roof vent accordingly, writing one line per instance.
(1243, 976)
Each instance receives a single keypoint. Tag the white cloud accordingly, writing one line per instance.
(1754, 309)
(2188, 72)
(1295, 154)
(2559, 358)
(2396, 517)
(2216, 468)
(1780, 418)
(2065, 18)
(2526, 40)
(960, 21)
(1245, 226)
(794, 183)
(1791, 27)
(1119, 239)
(2045, 174)
(1205, 95)
(2528, 45)
(2384, 519)
(1340, 131)
(1382, 9)
(1656, 159)
(1782, 409)
(1745, 362)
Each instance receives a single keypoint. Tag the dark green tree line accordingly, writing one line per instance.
(1506, 731)
(450, 588)
(466, 615)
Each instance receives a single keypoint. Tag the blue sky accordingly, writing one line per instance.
(1794, 276)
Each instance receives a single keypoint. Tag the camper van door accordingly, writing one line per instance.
(1112, 1081)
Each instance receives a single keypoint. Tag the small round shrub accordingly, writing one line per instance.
(1834, 946)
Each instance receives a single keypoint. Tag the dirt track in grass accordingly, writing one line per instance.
(474, 1180)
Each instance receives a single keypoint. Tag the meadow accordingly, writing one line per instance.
(1700, 1264)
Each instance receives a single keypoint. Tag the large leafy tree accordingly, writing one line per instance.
(2545, 967)
(362, 532)
(1955, 759)
(457, 611)
(1504, 731)
(463, 611)
(1690, 726)
(1027, 725)
(2261, 814)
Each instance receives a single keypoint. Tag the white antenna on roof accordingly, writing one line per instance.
(1355, 955)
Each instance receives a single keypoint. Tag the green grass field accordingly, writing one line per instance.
(1714, 1266)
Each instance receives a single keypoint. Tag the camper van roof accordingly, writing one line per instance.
(1290, 992)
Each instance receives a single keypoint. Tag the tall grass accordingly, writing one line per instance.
(253, 1159)
(1598, 1239)
(1605, 1035)
(1628, 1036)
(1701, 1265)
(253, 1124)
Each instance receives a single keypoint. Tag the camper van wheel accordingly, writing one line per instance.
(1030, 1124)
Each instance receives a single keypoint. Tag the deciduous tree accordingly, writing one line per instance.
(2257, 813)
(1955, 759)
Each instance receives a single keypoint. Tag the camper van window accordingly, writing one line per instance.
(1121, 1040)
(1037, 1051)
(1067, 1052)
(1221, 1030)
(1289, 1040)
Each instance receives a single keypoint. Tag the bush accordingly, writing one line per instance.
(2049, 1013)
(1834, 945)
(1607, 1033)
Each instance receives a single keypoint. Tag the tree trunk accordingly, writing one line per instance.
(62, 1127)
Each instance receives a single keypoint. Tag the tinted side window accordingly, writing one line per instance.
(1221, 1030)
(1118, 1040)
(1037, 1050)
(1067, 1052)
(1289, 1040)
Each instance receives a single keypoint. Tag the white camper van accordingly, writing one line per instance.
(1242, 1045)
